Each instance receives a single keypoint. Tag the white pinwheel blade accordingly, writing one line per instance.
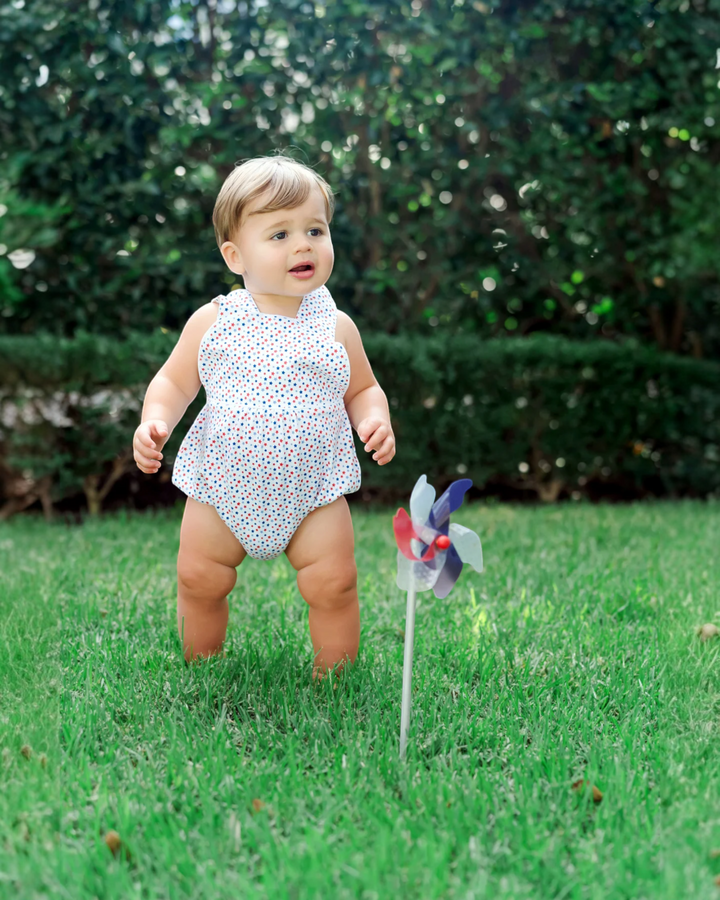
(421, 502)
(416, 576)
(426, 534)
(468, 546)
(416, 547)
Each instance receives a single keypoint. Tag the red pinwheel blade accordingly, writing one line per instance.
(405, 533)
(447, 504)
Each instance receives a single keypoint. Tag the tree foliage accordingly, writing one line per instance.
(501, 167)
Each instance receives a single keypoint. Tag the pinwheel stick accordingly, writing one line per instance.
(407, 672)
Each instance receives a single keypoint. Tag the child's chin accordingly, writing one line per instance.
(305, 285)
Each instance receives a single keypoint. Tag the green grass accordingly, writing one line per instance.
(573, 656)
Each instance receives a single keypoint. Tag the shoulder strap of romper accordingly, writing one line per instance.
(325, 312)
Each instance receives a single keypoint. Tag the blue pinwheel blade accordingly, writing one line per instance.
(449, 574)
(447, 504)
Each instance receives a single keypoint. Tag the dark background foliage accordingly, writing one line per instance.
(501, 167)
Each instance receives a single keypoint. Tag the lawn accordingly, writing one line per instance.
(574, 656)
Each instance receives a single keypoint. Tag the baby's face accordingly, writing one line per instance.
(283, 253)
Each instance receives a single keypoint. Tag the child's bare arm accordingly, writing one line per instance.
(365, 400)
(171, 391)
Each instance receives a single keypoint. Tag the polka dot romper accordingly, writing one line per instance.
(273, 441)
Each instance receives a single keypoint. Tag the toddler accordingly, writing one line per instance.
(267, 462)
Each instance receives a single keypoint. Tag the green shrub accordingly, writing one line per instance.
(544, 414)
(549, 414)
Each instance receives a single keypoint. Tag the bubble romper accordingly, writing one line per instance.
(273, 441)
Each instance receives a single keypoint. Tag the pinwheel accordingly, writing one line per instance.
(431, 553)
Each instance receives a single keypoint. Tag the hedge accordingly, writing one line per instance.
(544, 415)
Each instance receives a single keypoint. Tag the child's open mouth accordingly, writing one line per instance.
(303, 270)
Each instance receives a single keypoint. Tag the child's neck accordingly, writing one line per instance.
(276, 305)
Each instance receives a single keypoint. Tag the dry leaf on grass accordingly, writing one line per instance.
(26, 751)
(580, 786)
(113, 841)
(257, 805)
(115, 845)
(705, 632)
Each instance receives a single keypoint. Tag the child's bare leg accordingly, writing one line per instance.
(209, 554)
(322, 552)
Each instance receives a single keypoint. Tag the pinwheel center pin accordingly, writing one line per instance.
(431, 554)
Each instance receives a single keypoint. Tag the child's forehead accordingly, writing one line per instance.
(258, 210)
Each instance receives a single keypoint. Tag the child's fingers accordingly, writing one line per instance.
(158, 432)
(143, 437)
(146, 449)
(152, 458)
(368, 429)
(386, 451)
(375, 440)
(148, 463)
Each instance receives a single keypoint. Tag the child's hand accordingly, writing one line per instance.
(377, 435)
(149, 440)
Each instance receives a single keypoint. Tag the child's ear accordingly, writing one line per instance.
(233, 258)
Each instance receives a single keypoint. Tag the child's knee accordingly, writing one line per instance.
(204, 579)
(329, 584)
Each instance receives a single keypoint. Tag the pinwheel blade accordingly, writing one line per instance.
(421, 501)
(417, 548)
(450, 501)
(404, 533)
(404, 572)
(449, 574)
(415, 576)
(426, 534)
(409, 542)
(468, 546)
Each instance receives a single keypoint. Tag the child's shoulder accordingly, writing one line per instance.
(199, 323)
(204, 316)
(346, 330)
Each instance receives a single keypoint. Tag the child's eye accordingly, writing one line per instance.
(283, 233)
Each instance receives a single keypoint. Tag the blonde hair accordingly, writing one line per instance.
(288, 181)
